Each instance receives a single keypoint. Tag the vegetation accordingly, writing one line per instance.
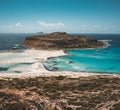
(56, 93)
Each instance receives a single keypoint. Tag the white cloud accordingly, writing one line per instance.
(18, 25)
(10, 26)
(51, 25)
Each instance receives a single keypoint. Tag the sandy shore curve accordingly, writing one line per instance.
(37, 69)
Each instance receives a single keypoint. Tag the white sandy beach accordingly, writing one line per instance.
(36, 69)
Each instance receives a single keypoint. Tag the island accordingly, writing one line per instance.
(39, 33)
(61, 40)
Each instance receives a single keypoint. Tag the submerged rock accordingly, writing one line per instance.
(18, 71)
(3, 69)
(71, 62)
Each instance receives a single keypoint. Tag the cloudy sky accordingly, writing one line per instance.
(75, 16)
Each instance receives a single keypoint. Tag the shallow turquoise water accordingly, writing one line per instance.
(9, 63)
(95, 60)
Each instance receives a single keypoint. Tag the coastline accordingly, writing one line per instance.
(37, 69)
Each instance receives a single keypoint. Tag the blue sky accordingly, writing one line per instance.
(81, 16)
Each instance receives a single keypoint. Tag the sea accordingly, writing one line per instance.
(100, 60)
(9, 40)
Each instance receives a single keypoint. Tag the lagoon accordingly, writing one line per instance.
(102, 60)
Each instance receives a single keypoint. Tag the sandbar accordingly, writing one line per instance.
(37, 69)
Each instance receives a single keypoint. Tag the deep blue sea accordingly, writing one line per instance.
(8, 41)
(102, 60)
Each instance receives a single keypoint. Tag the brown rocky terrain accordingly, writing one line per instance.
(61, 40)
(61, 93)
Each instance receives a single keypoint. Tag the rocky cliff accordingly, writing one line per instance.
(61, 40)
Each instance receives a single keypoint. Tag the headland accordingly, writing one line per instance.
(61, 40)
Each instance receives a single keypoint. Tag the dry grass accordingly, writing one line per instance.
(84, 93)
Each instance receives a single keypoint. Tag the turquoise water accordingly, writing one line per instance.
(103, 60)
(11, 62)
(15, 68)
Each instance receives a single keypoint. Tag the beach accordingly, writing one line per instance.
(37, 69)
(26, 63)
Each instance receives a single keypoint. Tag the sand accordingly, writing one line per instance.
(37, 57)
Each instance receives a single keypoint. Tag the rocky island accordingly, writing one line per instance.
(61, 40)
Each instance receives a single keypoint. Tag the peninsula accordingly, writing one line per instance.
(61, 40)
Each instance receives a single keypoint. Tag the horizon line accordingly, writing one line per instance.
(52, 32)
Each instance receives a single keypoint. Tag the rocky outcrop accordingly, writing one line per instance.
(61, 40)
(14, 99)
(98, 92)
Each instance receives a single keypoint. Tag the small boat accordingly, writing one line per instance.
(16, 45)
(14, 48)
(98, 50)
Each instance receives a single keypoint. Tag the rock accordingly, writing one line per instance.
(71, 62)
(3, 69)
(14, 99)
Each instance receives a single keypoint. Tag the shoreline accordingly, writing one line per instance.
(38, 70)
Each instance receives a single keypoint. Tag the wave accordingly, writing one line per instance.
(106, 42)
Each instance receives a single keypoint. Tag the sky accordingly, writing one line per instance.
(73, 16)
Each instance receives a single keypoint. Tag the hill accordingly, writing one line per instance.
(61, 40)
